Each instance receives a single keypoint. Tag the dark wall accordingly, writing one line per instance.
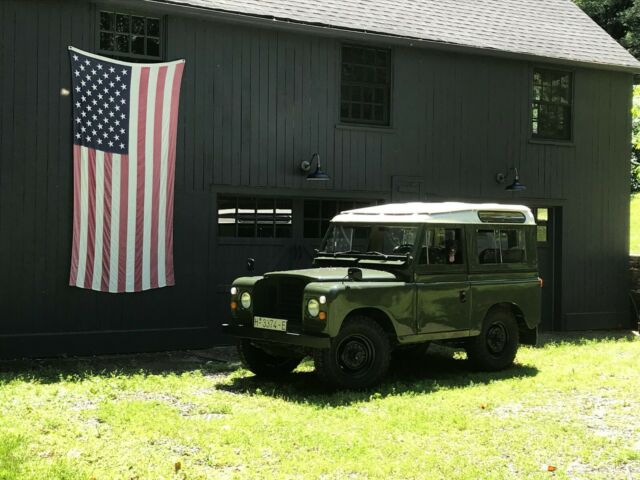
(255, 102)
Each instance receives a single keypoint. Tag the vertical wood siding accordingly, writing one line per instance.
(254, 104)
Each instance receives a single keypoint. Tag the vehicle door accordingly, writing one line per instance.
(442, 286)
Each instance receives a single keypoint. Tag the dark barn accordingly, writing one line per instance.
(401, 100)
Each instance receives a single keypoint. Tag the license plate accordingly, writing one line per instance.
(270, 323)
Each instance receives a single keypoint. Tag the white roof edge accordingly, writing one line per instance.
(440, 212)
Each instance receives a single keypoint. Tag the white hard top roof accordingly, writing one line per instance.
(441, 212)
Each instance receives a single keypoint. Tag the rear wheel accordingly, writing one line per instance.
(358, 356)
(264, 364)
(496, 346)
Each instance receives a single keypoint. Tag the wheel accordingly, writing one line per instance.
(358, 356)
(264, 364)
(496, 346)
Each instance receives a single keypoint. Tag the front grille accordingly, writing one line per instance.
(279, 298)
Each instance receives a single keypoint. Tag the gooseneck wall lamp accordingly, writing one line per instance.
(318, 174)
(515, 185)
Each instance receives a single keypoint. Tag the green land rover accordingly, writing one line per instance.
(392, 278)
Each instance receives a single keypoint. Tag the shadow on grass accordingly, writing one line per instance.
(77, 369)
(435, 371)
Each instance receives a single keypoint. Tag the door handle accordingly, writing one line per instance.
(463, 296)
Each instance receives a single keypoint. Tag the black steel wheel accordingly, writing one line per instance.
(264, 364)
(496, 346)
(358, 356)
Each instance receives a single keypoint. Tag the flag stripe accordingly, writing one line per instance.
(124, 128)
(123, 253)
(175, 98)
(157, 160)
(103, 281)
(132, 177)
(99, 219)
(114, 235)
(141, 164)
(90, 185)
(73, 277)
(148, 177)
(162, 184)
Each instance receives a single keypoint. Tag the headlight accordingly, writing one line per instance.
(245, 300)
(313, 307)
(234, 291)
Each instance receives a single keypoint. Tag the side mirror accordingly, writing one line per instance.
(251, 263)
(354, 274)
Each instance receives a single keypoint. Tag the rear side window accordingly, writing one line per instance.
(501, 246)
(442, 246)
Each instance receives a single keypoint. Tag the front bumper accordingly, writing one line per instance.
(286, 338)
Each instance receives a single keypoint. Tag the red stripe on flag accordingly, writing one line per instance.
(122, 230)
(171, 169)
(73, 276)
(91, 218)
(106, 226)
(142, 126)
(157, 160)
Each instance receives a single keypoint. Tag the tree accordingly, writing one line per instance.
(635, 140)
(620, 18)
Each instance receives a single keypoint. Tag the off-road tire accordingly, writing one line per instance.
(264, 364)
(496, 346)
(358, 357)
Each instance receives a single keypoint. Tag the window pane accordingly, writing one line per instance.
(552, 104)
(542, 214)
(153, 27)
(106, 41)
(122, 43)
(107, 21)
(512, 246)
(137, 25)
(488, 249)
(542, 233)
(442, 246)
(153, 47)
(122, 23)
(137, 45)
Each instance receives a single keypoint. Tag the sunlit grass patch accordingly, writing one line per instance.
(572, 405)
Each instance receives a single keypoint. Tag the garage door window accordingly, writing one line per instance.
(254, 217)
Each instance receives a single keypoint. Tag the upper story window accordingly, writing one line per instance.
(551, 109)
(366, 85)
(130, 37)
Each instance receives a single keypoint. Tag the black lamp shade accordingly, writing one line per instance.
(318, 175)
(516, 186)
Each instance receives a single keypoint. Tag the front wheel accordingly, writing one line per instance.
(264, 364)
(496, 346)
(358, 356)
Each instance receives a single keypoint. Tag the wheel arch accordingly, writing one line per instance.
(378, 315)
(526, 334)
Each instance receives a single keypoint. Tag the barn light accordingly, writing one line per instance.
(515, 185)
(318, 174)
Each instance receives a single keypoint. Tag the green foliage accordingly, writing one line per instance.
(620, 18)
(635, 141)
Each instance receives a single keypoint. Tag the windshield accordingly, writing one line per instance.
(369, 239)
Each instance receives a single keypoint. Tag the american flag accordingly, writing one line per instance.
(124, 134)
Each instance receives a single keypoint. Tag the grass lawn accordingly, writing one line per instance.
(575, 406)
(634, 230)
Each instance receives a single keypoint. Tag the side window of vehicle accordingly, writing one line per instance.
(501, 246)
(442, 246)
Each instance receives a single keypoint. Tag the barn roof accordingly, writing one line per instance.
(551, 29)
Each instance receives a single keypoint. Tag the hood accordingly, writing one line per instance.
(333, 274)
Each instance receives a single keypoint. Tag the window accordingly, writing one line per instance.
(542, 221)
(318, 213)
(501, 246)
(366, 85)
(442, 246)
(240, 216)
(551, 110)
(130, 37)
(370, 239)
